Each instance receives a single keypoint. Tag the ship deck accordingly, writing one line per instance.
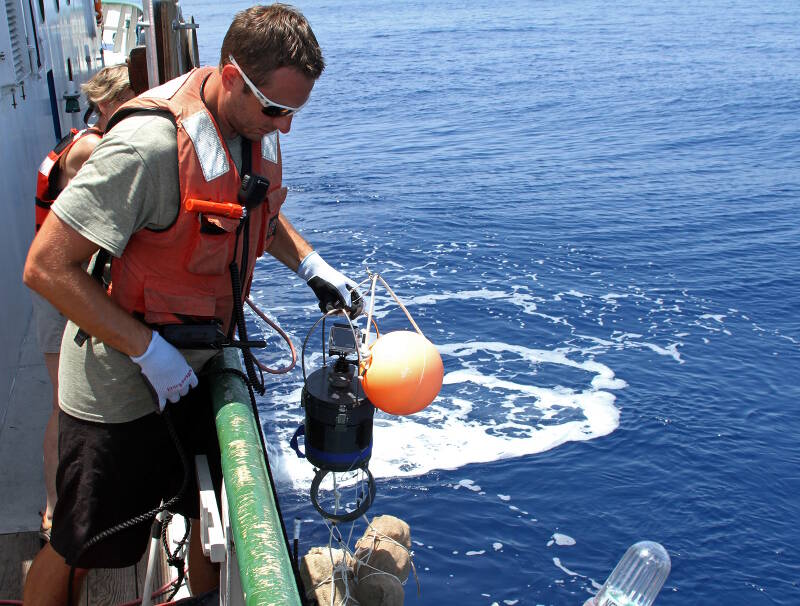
(22, 423)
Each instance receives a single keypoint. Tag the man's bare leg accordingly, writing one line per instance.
(48, 580)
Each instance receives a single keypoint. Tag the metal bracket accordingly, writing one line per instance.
(176, 25)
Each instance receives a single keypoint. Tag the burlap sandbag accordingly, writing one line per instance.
(315, 570)
(381, 564)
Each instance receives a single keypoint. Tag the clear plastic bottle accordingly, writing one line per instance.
(636, 579)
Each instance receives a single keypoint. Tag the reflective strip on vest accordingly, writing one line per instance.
(210, 153)
(47, 164)
(269, 147)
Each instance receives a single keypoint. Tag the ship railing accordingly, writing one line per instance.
(256, 566)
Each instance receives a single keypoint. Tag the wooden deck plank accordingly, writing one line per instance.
(110, 586)
(103, 586)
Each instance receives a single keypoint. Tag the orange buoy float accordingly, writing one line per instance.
(404, 374)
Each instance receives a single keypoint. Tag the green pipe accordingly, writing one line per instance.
(264, 563)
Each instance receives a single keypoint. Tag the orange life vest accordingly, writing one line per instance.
(46, 179)
(181, 274)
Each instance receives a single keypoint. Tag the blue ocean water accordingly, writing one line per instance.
(592, 210)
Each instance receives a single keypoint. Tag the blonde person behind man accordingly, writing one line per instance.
(105, 92)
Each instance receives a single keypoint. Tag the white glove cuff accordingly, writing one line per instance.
(150, 348)
(312, 265)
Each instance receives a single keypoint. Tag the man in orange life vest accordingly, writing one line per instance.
(190, 140)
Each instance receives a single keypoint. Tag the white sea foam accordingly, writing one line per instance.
(557, 562)
(561, 539)
(451, 432)
(670, 350)
(614, 296)
(525, 302)
(490, 408)
(468, 484)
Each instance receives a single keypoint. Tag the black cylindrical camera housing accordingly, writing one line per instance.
(338, 425)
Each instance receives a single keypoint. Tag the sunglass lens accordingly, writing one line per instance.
(275, 112)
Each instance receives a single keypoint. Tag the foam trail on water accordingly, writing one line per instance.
(451, 432)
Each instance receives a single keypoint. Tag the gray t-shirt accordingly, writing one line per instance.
(130, 182)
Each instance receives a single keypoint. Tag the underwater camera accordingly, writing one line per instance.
(338, 422)
(399, 372)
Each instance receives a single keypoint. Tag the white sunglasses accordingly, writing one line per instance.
(268, 108)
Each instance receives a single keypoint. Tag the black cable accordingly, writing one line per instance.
(254, 381)
(173, 558)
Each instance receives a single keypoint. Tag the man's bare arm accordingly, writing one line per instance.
(332, 287)
(77, 155)
(54, 270)
(288, 246)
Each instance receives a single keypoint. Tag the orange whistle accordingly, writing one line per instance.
(221, 209)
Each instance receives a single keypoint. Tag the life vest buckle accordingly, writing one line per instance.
(203, 335)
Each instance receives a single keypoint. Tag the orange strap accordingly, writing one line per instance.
(221, 209)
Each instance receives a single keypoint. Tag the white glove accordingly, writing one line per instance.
(333, 289)
(166, 371)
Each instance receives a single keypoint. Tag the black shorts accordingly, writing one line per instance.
(109, 473)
